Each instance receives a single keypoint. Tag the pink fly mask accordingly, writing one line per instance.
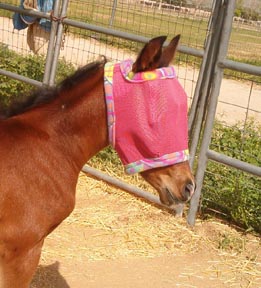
(147, 116)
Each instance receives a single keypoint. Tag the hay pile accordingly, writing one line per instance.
(119, 224)
(108, 223)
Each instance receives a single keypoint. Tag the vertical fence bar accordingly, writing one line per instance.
(113, 11)
(200, 81)
(58, 42)
(229, 7)
(197, 111)
(51, 45)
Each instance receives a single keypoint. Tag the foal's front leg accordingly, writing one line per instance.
(17, 270)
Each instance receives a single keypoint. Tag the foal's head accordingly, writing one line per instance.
(175, 183)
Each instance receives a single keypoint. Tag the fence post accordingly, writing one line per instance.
(114, 6)
(198, 107)
(59, 36)
(229, 7)
(51, 45)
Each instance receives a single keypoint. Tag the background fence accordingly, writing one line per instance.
(225, 115)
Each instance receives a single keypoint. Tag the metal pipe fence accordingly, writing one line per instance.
(81, 30)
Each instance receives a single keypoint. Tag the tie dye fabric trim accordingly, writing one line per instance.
(161, 73)
(108, 81)
(165, 160)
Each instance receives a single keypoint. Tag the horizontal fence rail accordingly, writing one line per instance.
(218, 157)
(241, 67)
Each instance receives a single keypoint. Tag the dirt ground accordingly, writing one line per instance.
(113, 239)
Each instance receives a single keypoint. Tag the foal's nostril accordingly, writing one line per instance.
(189, 190)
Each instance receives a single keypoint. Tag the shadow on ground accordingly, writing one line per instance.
(49, 277)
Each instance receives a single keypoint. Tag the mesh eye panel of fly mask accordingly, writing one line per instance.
(147, 116)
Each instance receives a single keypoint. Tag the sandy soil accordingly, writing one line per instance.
(236, 100)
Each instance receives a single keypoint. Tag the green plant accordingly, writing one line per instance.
(29, 66)
(232, 192)
(228, 242)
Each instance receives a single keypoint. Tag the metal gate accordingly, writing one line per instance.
(211, 53)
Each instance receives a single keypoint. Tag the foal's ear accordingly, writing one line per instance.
(149, 57)
(168, 52)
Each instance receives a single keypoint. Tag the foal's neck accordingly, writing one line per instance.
(75, 122)
(83, 118)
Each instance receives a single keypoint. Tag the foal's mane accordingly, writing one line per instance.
(46, 95)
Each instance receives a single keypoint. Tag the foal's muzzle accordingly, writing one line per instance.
(186, 194)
